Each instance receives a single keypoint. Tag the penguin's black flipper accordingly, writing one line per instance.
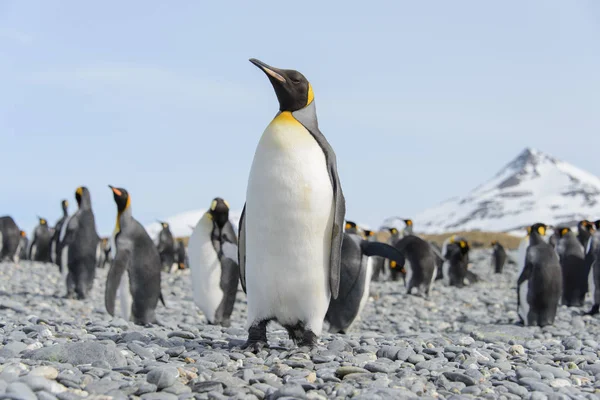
(113, 279)
(382, 250)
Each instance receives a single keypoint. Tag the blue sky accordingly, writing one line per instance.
(420, 100)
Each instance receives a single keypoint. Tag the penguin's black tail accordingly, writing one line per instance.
(162, 299)
(382, 250)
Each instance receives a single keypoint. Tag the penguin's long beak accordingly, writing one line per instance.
(115, 190)
(273, 72)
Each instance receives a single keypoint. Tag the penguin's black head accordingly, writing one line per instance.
(494, 242)
(291, 87)
(408, 222)
(464, 246)
(562, 231)
(539, 228)
(350, 225)
(164, 225)
(64, 204)
(43, 221)
(219, 210)
(78, 195)
(597, 224)
(122, 198)
(369, 233)
(585, 225)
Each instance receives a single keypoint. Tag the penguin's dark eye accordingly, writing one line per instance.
(295, 81)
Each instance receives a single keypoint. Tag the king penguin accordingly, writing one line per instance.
(57, 229)
(498, 257)
(585, 230)
(41, 242)
(166, 246)
(539, 287)
(408, 229)
(135, 270)
(355, 279)
(213, 261)
(78, 247)
(9, 238)
(182, 255)
(574, 273)
(592, 257)
(419, 266)
(351, 228)
(23, 246)
(292, 224)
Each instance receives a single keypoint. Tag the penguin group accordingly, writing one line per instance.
(300, 262)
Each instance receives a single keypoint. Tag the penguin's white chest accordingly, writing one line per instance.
(289, 219)
(206, 270)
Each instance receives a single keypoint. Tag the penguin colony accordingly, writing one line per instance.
(293, 224)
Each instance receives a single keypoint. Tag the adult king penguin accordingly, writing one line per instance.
(292, 225)
(498, 257)
(23, 246)
(135, 270)
(9, 238)
(57, 229)
(574, 273)
(78, 247)
(166, 246)
(41, 242)
(539, 286)
(213, 261)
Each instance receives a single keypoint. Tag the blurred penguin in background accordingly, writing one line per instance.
(79, 247)
(539, 287)
(41, 242)
(574, 274)
(498, 257)
(419, 269)
(23, 246)
(456, 264)
(57, 229)
(585, 229)
(408, 229)
(9, 238)
(181, 254)
(166, 246)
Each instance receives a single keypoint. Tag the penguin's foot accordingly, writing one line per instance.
(226, 323)
(309, 339)
(595, 310)
(257, 337)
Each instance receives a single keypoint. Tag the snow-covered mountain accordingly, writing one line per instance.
(534, 187)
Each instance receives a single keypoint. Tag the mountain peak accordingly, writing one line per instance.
(533, 187)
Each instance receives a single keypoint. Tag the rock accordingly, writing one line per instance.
(343, 371)
(163, 377)
(516, 350)
(208, 386)
(459, 377)
(182, 334)
(501, 333)
(45, 371)
(80, 353)
(21, 390)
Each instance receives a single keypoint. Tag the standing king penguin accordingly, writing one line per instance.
(23, 246)
(9, 238)
(572, 261)
(41, 242)
(213, 261)
(78, 247)
(498, 257)
(166, 246)
(539, 287)
(292, 225)
(136, 266)
(57, 229)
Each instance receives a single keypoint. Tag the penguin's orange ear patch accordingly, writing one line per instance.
(79, 191)
(462, 244)
(541, 230)
(393, 264)
(394, 231)
(564, 231)
(348, 226)
(213, 205)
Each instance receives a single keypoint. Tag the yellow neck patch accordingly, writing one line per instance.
(127, 205)
(311, 95)
(285, 117)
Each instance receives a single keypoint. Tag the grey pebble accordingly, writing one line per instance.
(21, 390)
(163, 377)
